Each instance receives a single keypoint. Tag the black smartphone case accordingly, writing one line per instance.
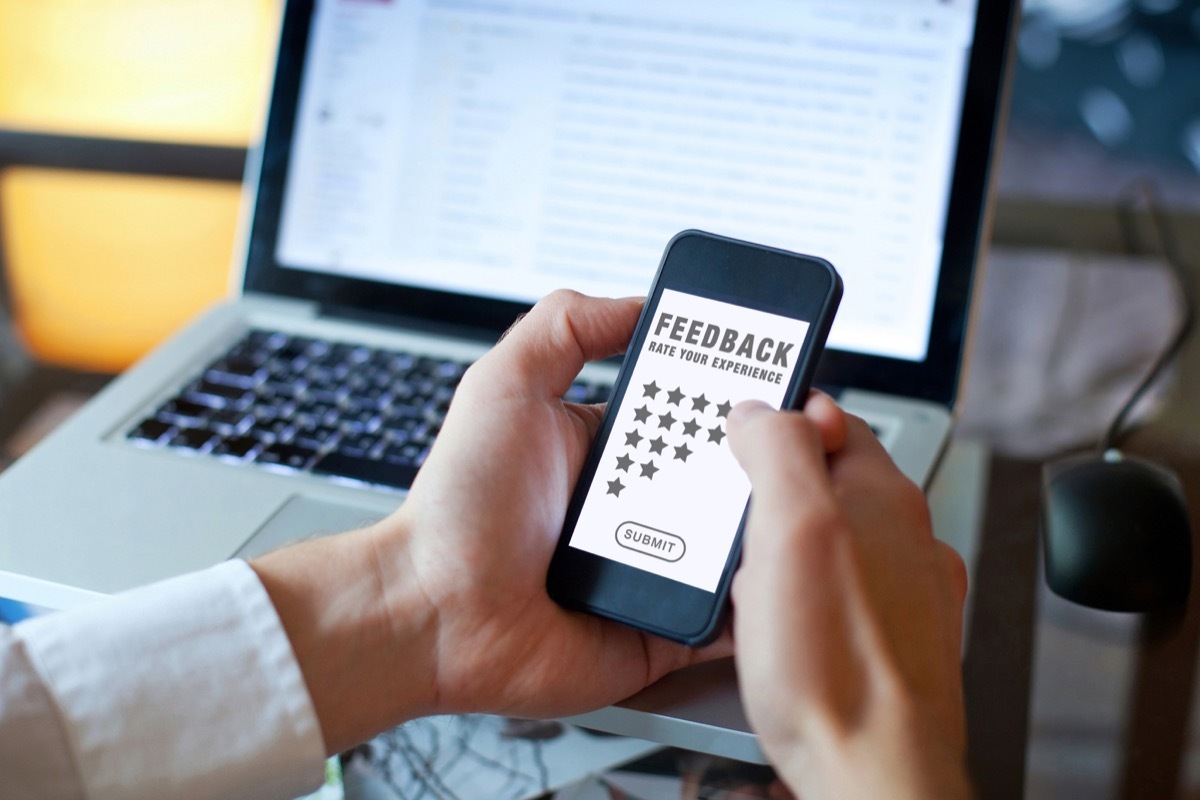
(591, 583)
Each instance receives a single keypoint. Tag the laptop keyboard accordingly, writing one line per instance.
(304, 404)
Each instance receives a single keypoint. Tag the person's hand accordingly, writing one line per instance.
(487, 508)
(847, 616)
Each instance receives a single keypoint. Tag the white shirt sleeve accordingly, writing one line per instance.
(184, 689)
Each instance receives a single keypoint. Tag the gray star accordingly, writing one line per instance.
(724, 409)
(615, 486)
(682, 452)
(675, 397)
(716, 434)
(642, 414)
(666, 420)
(657, 445)
(700, 403)
(633, 438)
(648, 470)
(624, 462)
(690, 427)
(650, 390)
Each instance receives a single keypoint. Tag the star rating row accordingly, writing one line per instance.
(633, 438)
(647, 470)
(624, 461)
(676, 397)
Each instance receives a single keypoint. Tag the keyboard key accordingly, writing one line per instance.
(382, 473)
(235, 446)
(296, 349)
(331, 396)
(407, 453)
(423, 433)
(150, 430)
(287, 455)
(192, 438)
(398, 363)
(184, 411)
(450, 371)
(402, 412)
(360, 445)
(434, 416)
(280, 430)
(217, 395)
(320, 375)
(318, 349)
(228, 421)
(315, 437)
(281, 389)
(395, 437)
(265, 412)
(233, 378)
(263, 340)
(244, 365)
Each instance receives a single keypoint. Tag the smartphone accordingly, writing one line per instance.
(653, 530)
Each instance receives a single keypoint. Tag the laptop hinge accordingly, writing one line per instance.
(284, 305)
(408, 322)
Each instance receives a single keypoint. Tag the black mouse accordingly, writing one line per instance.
(1116, 533)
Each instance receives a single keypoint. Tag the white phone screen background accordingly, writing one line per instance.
(668, 494)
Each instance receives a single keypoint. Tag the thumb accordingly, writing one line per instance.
(543, 352)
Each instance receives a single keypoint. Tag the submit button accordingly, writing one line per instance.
(650, 541)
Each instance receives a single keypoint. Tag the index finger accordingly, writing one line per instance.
(782, 453)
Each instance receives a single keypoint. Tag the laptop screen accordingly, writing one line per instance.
(496, 151)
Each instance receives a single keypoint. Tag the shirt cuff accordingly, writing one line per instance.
(186, 688)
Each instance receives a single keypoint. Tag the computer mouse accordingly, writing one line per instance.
(1116, 533)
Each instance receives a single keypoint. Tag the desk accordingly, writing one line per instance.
(1064, 701)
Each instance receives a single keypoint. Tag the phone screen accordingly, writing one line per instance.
(668, 495)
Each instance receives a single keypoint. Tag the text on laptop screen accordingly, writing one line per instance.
(507, 149)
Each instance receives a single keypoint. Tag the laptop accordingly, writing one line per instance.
(428, 170)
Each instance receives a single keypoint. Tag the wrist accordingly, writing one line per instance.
(360, 627)
(897, 754)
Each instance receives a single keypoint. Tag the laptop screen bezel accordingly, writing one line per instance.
(935, 378)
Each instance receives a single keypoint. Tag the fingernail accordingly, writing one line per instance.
(747, 409)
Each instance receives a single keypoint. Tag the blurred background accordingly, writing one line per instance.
(123, 130)
(109, 242)
(1105, 91)
(1077, 302)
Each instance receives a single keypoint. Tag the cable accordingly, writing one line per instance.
(1144, 191)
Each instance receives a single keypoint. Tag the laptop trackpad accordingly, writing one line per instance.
(304, 517)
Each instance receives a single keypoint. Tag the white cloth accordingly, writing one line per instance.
(183, 689)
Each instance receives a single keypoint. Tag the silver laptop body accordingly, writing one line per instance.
(430, 169)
